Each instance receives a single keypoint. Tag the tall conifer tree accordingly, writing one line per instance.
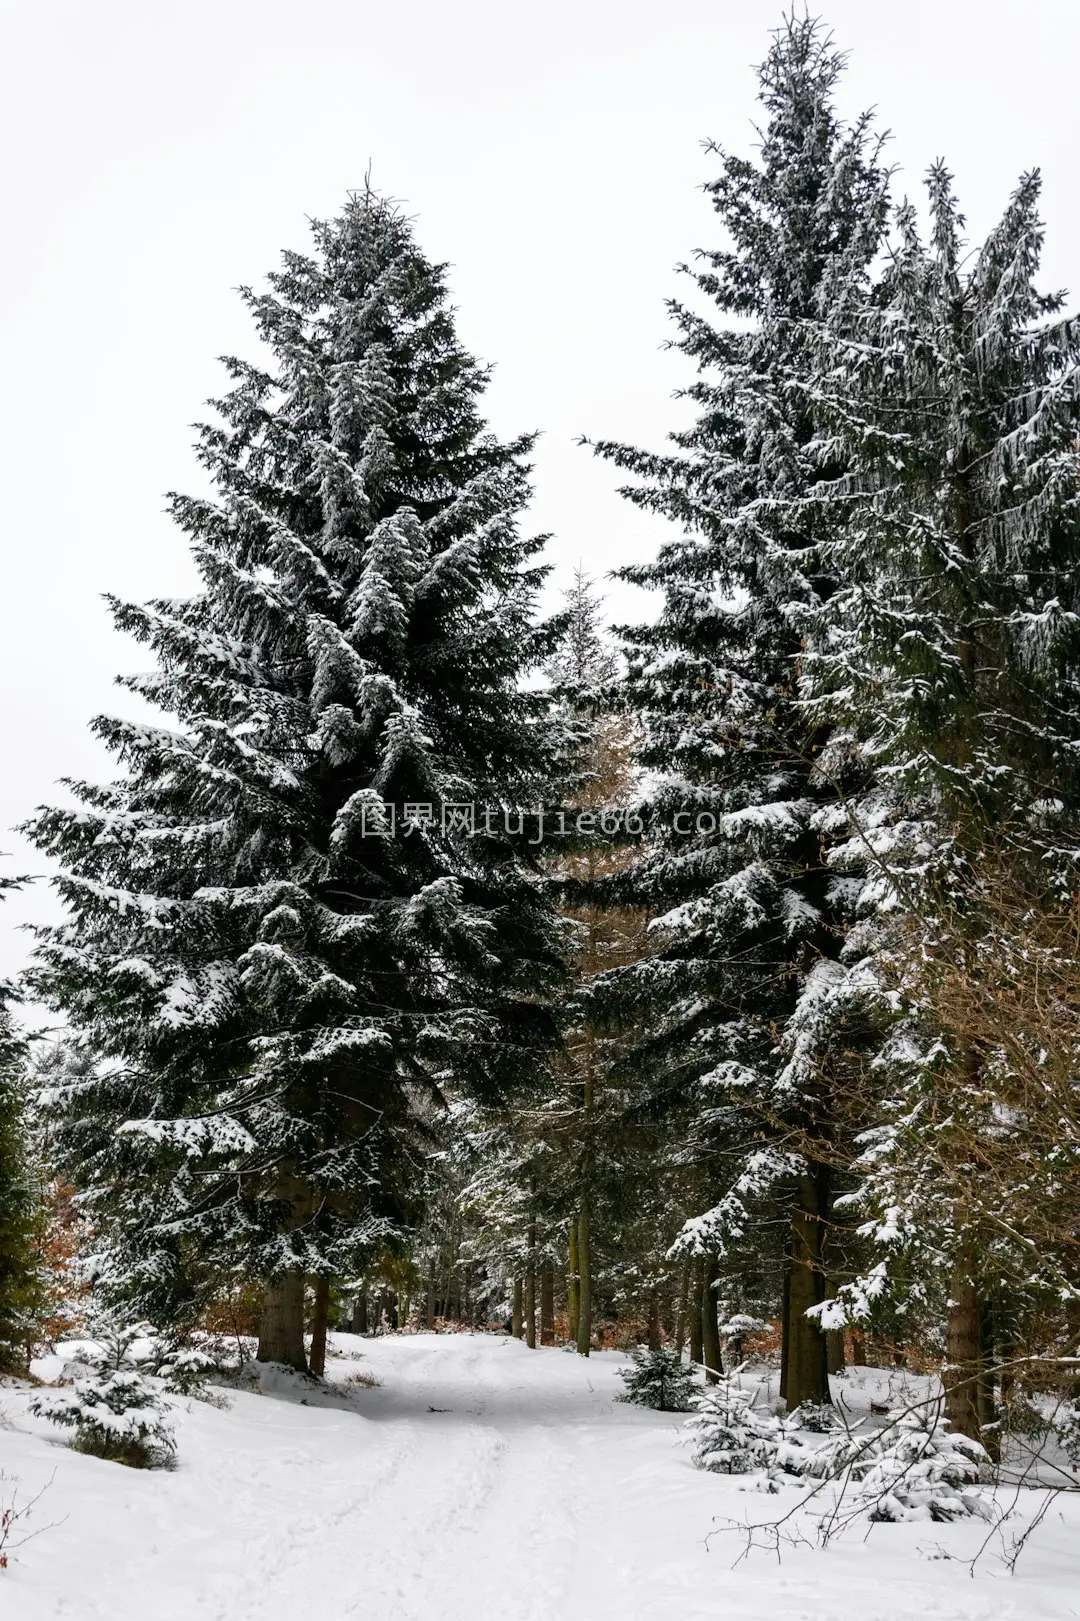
(948, 667)
(735, 865)
(283, 941)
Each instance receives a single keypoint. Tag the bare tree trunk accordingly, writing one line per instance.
(547, 1304)
(1072, 1328)
(530, 1308)
(807, 1354)
(696, 1318)
(963, 1346)
(429, 1317)
(785, 1313)
(710, 1334)
(835, 1353)
(834, 1342)
(359, 1312)
(654, 1321)
(988, 1413)
(680, 1315)
(319, 1323)
(584, 1334)
(281, 1331)
(573, 1284)
(515, 1320)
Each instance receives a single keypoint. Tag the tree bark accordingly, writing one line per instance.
(835, 1351)
(986, 1394)
(806, 1362)
(680, 1314)
(654, 1321)
(584, 1334)
(530, 1291)
(281, 1331)
(547, 1304)
(963, 1346)
(710, 1334)
(359, 1313)
(1072, 1328)
(516, 1316)
(530, 1309)
(320, 1318)
(696, 1313)
(573, 1284)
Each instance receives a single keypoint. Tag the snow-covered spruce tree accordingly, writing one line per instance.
(750, 916)
(729, 1435)
(283, 942)
(117, 1408)
(659, 1379)
(919, 1470)
(947, 665)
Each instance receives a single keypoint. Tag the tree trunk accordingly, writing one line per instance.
(835, 1351)
(319, 1320)
(834, 1342)
(547, 1304)
(430, 1305)
(530, 1309)
(516, 1316)
(584, 1333)
(785, 1313)
(680, 1315)
(530, 1291)
(359, 1313)
(710, 1335)
(573, 1284)
(963, 1346)
(988, 1413)
(654, 1321)
(807, 1366)
(1072, 1348)
(696, 1313)
(281, 1331)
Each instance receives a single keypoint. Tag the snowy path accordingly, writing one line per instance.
(533, 1495)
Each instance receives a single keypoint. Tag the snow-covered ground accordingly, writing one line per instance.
(479, 1478)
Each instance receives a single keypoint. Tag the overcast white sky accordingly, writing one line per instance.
(156, 155)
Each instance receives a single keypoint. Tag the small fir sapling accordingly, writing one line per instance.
(920, 1470)
(117, 1410)
(659, 1379)
(729, 1436)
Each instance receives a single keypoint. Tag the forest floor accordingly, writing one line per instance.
(477, 1478)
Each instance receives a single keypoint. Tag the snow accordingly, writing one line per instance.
(479, 1477)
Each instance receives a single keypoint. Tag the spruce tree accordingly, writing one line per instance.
(289, 933)
(947, 668)
(734, 865)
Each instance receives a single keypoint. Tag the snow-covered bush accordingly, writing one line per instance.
(918, 1470)
(818, 1418)
(182, 1369)
(728, 1435)
(116, 1410)
(659, 1379)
